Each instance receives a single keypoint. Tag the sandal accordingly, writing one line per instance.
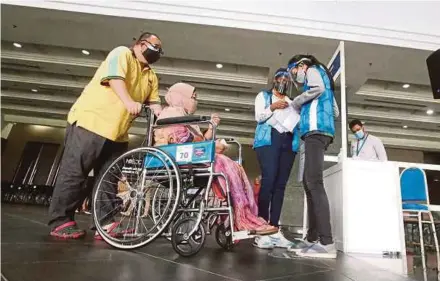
(268, 230)
(114, 230)
(68, 230)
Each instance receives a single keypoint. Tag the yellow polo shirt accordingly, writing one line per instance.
(100, 110)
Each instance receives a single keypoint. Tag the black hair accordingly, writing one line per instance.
(311, 60)
(146, 35)
(354, 123)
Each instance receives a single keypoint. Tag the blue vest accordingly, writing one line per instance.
(317, 114)
(263, 132)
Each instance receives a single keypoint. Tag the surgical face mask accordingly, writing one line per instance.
(300, 76)
(151, 55)
(359, 134)
(281, 86)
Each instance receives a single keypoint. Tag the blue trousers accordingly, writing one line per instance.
(276, 161)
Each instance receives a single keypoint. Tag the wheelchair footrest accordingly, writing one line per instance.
(243, 234)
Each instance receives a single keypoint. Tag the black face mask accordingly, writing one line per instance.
(151, 56)
(281, 87)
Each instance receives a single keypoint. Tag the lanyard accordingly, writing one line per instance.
(358, 149)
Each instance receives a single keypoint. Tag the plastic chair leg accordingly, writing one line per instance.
(422, 244)
(434, 232)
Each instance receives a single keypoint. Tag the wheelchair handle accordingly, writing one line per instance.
(182, 120)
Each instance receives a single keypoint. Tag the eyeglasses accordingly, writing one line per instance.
(154, 47)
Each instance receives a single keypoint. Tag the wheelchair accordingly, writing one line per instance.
(166, 191)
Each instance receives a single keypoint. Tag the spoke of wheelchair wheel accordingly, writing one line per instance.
(146, 228)
(108, 192)
(116, 175)
(140, 170)
(110, 182)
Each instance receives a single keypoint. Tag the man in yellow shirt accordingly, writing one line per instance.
(98, 123)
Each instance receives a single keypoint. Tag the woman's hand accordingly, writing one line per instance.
(220, 146)
(281, 104)
(215, 118)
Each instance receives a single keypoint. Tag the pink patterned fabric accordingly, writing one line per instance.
(242, 194)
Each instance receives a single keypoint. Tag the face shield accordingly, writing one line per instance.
(297, 73)
(282, 82)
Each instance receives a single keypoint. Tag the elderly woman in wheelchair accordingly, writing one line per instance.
(182, 100)
(181, 186)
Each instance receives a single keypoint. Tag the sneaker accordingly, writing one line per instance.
(263, 242)
(69, 230)
(318, 250)
(279, 241)
(299, 245)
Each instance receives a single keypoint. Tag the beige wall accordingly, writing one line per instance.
(17, 139)
(405, 155)
(21, 134)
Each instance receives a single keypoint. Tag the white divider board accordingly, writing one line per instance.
(366, 208)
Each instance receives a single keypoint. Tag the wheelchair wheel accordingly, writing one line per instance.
(223, 236)
(184, 245)
(159, 199)
(158, 207)
(122, 200)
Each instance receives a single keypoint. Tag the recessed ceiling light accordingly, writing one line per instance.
(17, 45)
(219, 65)
(227, 109)
(406, 86)
(34, 90)
(85, 52)
(430, 112)
(41, 128)
(405, 127)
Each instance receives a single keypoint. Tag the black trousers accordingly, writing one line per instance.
(86, 193)
(318, 210)
(83, 151)
(276, 161)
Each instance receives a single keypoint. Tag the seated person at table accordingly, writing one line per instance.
(182, 101)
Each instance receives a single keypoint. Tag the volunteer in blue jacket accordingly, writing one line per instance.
(276, 148)
(317, 129)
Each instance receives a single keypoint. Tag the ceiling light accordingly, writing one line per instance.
(41, 128)
(430, 112)
(219, 65)
(405, 127)
(85, 52)
(34, 90)
(17, 45)
(227, 109)
(406, 86)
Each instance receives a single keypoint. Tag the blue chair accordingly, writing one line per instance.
(415, 202)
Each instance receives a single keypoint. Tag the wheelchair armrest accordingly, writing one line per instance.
(182, 120)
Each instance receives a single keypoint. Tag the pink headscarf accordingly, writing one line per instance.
(180, 95)
(180, 103)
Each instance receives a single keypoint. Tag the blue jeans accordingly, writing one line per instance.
(276, 161)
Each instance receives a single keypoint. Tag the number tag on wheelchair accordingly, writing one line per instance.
(184, 153)
(192, 191)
